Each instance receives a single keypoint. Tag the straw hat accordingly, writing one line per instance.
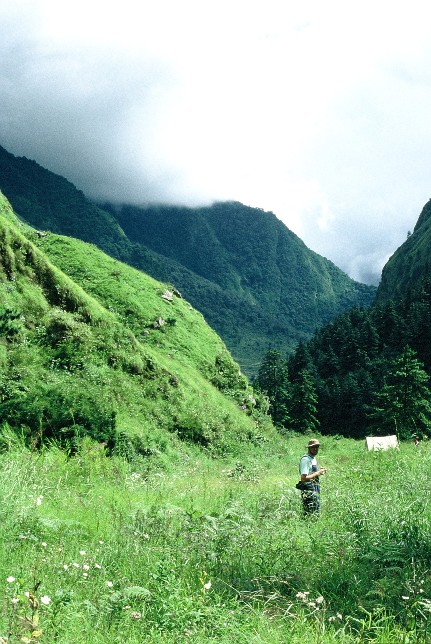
(313, 443)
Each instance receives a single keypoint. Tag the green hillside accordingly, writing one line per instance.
(274, 290)
(90, 346)
(255, 282)
(410, 263)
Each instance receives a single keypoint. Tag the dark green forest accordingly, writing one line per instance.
(366, 372)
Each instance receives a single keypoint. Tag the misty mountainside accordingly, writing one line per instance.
(92, 347)
(410, 263)
(255, 282)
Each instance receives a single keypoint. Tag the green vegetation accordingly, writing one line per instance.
(96, 549)
(263, 287)
(147, 497)
(254, 281)
(410, 263)
(368, 372)
(99, 349)
(404, 403)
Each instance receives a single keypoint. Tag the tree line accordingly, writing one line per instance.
(365, 373)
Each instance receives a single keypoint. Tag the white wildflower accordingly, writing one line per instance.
(109, 584)
(10, 580)
(45, 600)
(207, 586)
(319, 600)
(15, 600)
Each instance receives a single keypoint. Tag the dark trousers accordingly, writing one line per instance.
(311, 501)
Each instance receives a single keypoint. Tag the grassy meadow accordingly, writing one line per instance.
(146, 496)
(195, 548)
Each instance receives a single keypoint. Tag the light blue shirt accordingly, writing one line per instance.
(306, 464)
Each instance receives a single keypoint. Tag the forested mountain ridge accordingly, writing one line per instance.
(410, 262)
(92, 347)
(255, 282)
(253, 256)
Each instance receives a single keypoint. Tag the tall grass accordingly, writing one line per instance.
(97, 549)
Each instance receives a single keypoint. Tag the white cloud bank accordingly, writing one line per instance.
(318, 111)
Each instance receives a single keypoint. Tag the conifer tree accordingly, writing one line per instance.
(300, 360)
(403, 405)
(273, 380)
(303, 404)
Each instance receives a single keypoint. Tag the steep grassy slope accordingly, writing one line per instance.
(255, 282)
(111, 357)
(410, 262)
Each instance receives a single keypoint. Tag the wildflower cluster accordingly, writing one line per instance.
(25, 610)
(26, 606)
(85, 566)
(316, 605)
(417, 605)
(135, 479)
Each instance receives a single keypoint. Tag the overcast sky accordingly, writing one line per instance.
(319, 111)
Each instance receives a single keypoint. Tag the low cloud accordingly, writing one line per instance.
(319, 112)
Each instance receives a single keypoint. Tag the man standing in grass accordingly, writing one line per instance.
(310, 472)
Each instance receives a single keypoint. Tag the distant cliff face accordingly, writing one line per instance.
(410, 262)
(255, 281)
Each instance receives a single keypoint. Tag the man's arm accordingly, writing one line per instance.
(310, 477)
(304, 468)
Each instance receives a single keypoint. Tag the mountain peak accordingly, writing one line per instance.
(410, 263)
(424, 217)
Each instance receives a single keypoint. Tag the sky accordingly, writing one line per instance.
(316, 111)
